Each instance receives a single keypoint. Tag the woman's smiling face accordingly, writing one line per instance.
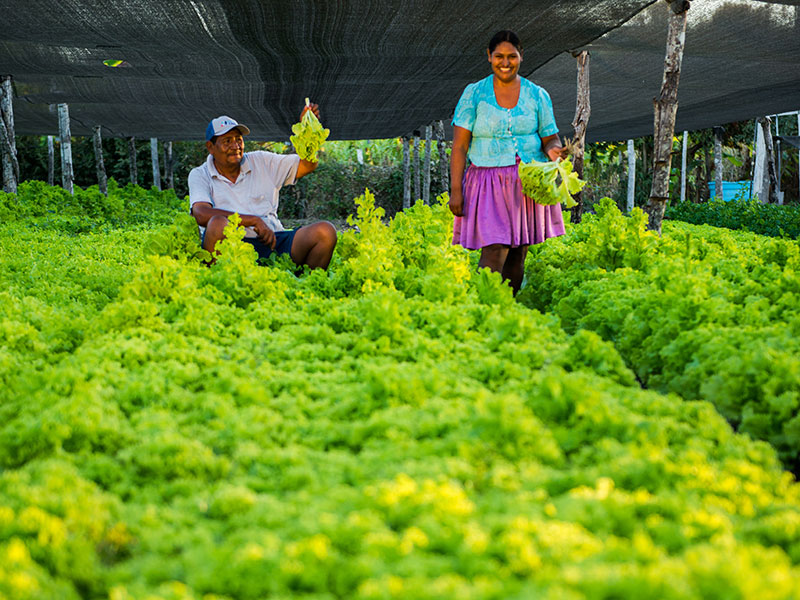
(505, 59)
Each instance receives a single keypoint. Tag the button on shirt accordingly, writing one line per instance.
(500, 134)
(255, 191)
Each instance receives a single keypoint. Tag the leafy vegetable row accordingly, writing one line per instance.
(396, 427)
(748, 215)
(703, 312)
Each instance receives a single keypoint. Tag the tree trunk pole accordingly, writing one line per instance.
(665, 109)
(426, 180)
(444, 167)
(169, 166)
(773, 179)
(684, 153)
(132, 160)
(8, 143)
(154, 161)
(417, 191)
(631, 175)
(718, 162)
(51, 161)
(102, 179)
(582, 111)
(66, 148)
(406, 174)
(778, 157)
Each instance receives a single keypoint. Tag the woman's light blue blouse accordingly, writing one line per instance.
(500, 134)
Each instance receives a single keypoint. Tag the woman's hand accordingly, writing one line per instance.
(456, 203)
(558, 152)
(551, 145)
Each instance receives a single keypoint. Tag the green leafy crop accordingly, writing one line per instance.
(309, 135)
(550, 182)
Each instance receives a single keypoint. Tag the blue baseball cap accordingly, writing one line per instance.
(222, 125)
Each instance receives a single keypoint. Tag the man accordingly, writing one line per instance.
(232, 181)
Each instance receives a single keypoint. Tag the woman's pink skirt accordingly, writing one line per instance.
(496, 211)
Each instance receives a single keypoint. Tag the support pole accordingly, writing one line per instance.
(760, 185)
(444, 166)
(417, 194)
(778, 156)
(8, 143)
(169, 167)
(132, 160)
(665, 109)
(798, 155)
(718, 162)
(631, 176)
(66, 148)
(764, 122)
(582, 111)
(426, 180)
(406, 174)
(102, 180)
(684, 154)
(154, 161)
(51, 161)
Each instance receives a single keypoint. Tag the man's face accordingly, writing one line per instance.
(227, 149)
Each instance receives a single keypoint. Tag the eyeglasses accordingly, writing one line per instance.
(228, 143)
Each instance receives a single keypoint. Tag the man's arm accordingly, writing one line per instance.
(304, 168)
(203, 212)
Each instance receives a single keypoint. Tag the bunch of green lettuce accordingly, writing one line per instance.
(309, 134)
(550, 182)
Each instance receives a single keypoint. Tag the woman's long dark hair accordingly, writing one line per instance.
(505, 36)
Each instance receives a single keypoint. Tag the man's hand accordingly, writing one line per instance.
(264, 233)
(313, 108)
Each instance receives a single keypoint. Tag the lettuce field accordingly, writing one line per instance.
(398, 426)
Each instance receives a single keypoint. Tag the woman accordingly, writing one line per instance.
(499, 121)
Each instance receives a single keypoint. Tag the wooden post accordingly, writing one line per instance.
(444, 166)
(169, 166)
(426, 180)
(8, 143)
(417, 194)
(798, 154)
(132, 160)
(154, 161)
(102, 180)
(579, 123)
(66, 148)
(778, 157)
(631, 175)
(406, 174)
(51, 161)
(665, 109)
(718, 162)
(764, 122)
(760, 185)
(684, 153)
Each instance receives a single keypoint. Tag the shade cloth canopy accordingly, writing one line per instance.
(379, 69)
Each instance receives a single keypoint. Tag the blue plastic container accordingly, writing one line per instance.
(730, 189)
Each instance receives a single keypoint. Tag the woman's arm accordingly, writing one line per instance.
(458, 160)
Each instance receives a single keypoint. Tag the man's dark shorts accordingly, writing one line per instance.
(283, 244)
